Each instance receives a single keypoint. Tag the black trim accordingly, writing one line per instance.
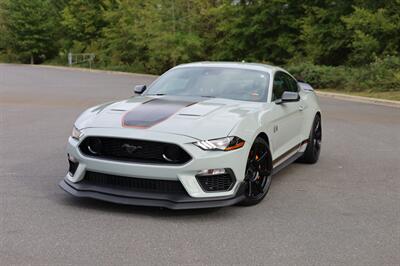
(298, 146)
(142, 151)
(72, 166)
(150, 199)
(287, 162)
(133, 183)
(217, 183)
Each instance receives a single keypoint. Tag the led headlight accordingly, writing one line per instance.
(76, 133)
(222, 144)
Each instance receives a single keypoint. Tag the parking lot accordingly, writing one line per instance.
(345, 210)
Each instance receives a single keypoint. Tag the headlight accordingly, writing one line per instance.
(76, 133)
(223, 144)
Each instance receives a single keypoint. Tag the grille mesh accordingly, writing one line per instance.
(143, 151)
(133, 184)
(222, 182)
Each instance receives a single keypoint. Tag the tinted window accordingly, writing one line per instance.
(283, 82)
(279, 86)
(291, 84)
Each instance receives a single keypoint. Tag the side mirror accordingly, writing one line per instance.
(139, 89)
(289, 96)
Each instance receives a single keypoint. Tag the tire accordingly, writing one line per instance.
(311, 154)
(258, 173)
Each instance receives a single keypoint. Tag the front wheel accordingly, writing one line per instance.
(258, 173)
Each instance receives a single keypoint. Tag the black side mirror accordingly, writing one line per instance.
(139, 89)
(289, 96)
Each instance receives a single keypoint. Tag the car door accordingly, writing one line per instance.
(288, 118)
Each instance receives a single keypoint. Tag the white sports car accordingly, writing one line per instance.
(202, 135)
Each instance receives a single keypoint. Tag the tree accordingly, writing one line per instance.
(264, 31)
(124, 37)
(154, 35)
(29, 29)
(324, 35)
(83, 21)
(374, 30)
(173, 33)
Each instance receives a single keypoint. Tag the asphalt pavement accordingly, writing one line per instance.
(344, 210)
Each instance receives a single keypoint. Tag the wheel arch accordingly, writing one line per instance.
(264, 136)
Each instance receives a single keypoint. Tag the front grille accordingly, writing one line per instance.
(223, 182)
(133, 184)
(133, 150)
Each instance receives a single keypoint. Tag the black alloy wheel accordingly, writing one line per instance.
(258, 173)
(311, 154)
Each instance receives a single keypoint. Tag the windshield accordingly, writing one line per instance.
(218, 82)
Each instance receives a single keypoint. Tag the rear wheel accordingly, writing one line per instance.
(311, 154)
(258, 173)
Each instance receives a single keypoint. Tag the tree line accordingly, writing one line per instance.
(319, 39)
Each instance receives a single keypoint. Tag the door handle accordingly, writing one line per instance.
(301, 107)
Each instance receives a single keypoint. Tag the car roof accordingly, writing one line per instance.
(239, 65)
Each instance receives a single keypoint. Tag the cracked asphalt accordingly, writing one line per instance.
(345, 210)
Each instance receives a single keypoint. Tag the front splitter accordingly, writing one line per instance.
(176, 202)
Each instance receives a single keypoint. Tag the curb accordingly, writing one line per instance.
(110, 72)
(361, 99)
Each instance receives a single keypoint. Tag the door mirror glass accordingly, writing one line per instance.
(139, 89)
(289, 96)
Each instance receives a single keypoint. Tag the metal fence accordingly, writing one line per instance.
(76, 59)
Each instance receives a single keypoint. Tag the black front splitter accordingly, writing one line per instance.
(177, 202)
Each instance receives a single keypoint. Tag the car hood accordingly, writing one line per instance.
(200, 118)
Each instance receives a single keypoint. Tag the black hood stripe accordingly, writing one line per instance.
(154, 111)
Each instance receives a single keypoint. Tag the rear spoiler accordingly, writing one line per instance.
(305, 86)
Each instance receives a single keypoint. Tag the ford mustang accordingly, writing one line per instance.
(202, 135)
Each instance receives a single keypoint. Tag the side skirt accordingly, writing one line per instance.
(286, 163)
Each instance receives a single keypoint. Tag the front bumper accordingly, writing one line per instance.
(195, 196)
(176, 202)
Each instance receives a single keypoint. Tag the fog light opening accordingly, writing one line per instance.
(208, 172)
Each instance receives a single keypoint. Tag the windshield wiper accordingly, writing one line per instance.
(157, 94)
(208, 96)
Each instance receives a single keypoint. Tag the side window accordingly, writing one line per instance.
(291, 84)
(279, 86)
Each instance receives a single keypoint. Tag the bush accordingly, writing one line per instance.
(320, 76)
(381, 75)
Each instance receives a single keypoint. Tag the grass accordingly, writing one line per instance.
(386, 95)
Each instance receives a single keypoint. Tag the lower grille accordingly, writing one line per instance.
(212, 183)
(133, 184)
(133, 150)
